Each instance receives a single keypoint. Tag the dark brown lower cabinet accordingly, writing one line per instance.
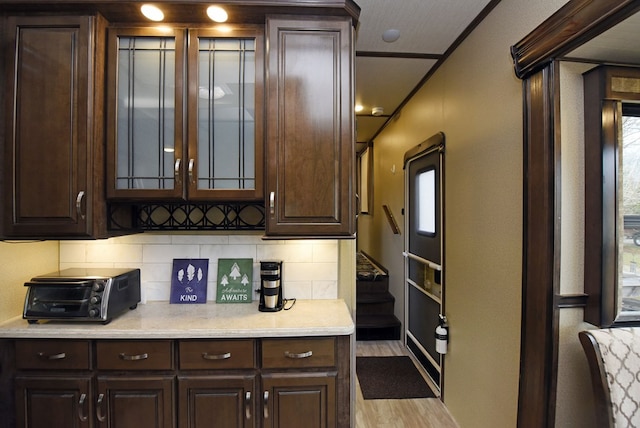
(234, 383)
(135, 402)
(49, 402)
(217, 401)
(291, 401)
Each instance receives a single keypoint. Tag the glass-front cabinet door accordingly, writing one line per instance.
(184, 114)
(225, 114)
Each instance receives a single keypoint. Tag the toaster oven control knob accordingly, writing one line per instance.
(95, 300)
(93, 312)
(98, 286)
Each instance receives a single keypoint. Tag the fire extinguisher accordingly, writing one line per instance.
(442, 335)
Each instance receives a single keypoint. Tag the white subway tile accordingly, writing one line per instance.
(166, 253)
(200, 239)
(298, 253)
(325, 252)
(71, 252)
(297, 289)
(311, 271)
(325, 289)
(215, 252)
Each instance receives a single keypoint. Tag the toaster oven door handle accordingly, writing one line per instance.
(60, 356)
(138, 357)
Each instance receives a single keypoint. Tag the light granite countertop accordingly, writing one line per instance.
(157, 320)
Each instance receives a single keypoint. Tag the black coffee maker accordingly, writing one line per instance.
(270, 286)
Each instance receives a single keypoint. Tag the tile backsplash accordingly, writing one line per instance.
(310, 267)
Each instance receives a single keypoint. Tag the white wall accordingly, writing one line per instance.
(476, 100)
(310, 268)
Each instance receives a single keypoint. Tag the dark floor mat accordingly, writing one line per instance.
(390, 378)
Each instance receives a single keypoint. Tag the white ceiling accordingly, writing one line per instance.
(617, 45)
(386, 73)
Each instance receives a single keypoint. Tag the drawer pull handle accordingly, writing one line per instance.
(298, 356)
(266, 404)
(60, 356)
(82, 411)
(100, 412)
(247, 405)
(134, 357)
(224, 356)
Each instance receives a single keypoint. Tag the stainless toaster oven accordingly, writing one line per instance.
(79, 294)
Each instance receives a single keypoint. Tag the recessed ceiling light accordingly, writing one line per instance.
(391, 35)
(217, 14)
(152, 12)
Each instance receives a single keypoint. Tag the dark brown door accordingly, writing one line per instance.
(54, 402)
(299, 400)
(48, 133)
(310, 138)
(134, 402)
(217, 401)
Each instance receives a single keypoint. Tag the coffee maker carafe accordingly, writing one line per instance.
(270, 286)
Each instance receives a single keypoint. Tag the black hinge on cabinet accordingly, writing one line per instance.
(126, 217)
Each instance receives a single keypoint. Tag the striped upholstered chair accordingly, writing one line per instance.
(614, 362)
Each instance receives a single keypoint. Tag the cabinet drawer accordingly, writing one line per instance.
(135, 355)
(217, 354)
(293, 353)
(53, 354)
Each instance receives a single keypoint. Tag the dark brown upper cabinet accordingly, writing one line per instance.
(185, 114)
(310, 150)
(52, 105)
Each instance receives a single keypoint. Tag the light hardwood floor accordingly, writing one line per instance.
(412, 413)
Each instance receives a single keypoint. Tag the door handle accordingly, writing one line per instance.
(82, 404)
(265, 404)
(79, 199)
(176, 170)
(99, 410)
(191, 162)
(272, 203)
(247, 405)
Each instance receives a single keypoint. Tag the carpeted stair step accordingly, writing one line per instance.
(377, 327)
(375, 303)
(379, 286)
